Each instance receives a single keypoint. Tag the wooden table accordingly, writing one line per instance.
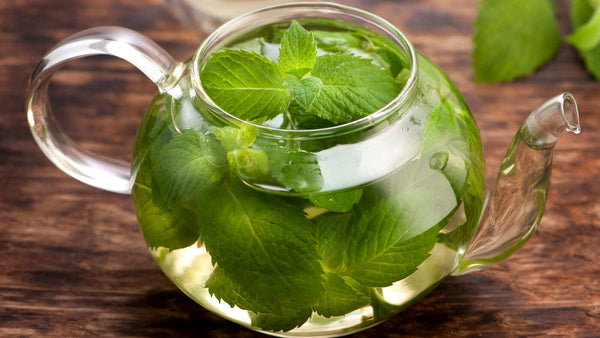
(73, 262)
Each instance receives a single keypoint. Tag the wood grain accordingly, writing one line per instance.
(74, 262)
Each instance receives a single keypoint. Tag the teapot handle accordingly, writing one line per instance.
(99, 171)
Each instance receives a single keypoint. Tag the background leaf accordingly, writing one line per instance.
(513, 38)
(587, 36)
(581, 13)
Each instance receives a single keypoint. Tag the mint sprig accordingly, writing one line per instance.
(338, 88)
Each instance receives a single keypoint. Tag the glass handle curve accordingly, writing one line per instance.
(96, 170)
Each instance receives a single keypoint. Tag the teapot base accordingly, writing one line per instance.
(189, 268)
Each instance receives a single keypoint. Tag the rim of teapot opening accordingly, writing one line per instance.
(312, 10)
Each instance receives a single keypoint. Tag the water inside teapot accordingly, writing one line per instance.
(271, 232)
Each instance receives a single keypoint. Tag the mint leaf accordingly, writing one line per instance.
(587, 36)
(392, 260)
(340, 298)
(236, 138)
(332, 235)
(173, 229)
(365, 44)
(188, 165)
(224, 289)
(389, 241)
(296, 170)
(447, 144)
(513, 38)
(262, 315)
(343, 88)
(250, 164)
(283, 321)
(582, 12)
(155, 130)
(339, 201)
(263, 244)
(304, 91)
(458, 156)
(298, 118)
(337, 42)
(298, 51)
(245, 84)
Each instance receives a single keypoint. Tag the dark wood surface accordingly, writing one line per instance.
(73, 262)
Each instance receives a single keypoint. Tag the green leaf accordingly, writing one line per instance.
(155, 130)
(391, 239)
(245, 84)
(343, 88)
(262, 315)
(339, 201)
(304, 90)
(340, 298)
(513, 38)
(365, 44)
(332, 237)
(296, 170)
(451, 143)
(236, 138)
(298, 118)
(284, 321)
(298, 51)
(263, 244)
(337, 42)
(445, 141)
(224, 289)
(250, 164)
(391, 259)
(173, 229)
(188, 165)
(587, 36)
(581, 13)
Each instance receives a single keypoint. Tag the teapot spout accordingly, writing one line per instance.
(515, 205)
(550, 121)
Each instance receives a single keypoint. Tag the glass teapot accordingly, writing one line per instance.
(310, 232)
